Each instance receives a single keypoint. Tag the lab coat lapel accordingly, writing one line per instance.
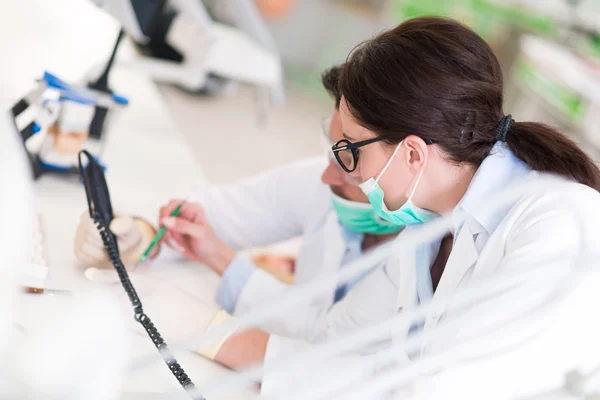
(333, 248)
(334, 245)
(463, 257)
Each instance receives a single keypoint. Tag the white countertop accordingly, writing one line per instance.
(148, 162)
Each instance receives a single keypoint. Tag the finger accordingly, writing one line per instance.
(122, 225)
(93, 237)
(177, 237)
(173, 237)
(176, 246)
(86, 258)
(167, 210)
(85, 217)
(86, 230)
(88, 241)
(92, 252)
(192, 212)
(128, 233)
(182, 226)
(130, 240)
(102, 276)
(182, 247)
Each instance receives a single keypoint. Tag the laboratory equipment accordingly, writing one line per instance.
(178, 42)
(101, 212)
(56, 120)
(39, 290)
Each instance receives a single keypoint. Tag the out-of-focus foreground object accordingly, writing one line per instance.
(47, 351)
(15, 212)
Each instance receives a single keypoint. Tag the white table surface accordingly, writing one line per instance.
(148, 163)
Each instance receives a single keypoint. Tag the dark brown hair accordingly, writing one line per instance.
(437, 79)
(330, 78)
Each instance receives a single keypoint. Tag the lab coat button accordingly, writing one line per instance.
(399, 309)
(433, 315)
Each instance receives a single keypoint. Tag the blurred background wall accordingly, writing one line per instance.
(549, 51)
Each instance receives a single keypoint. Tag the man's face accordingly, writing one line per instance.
(340, 181)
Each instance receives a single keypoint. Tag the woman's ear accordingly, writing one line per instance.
(416, 152)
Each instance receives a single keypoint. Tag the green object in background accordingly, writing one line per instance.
(489, 18)
(594, 46)
(565, 100)
(484, 23)
(406, 9)
(514, 15)
(482, 14)
(309, 82)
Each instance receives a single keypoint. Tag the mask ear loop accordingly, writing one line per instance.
(389, 162)
(415, 187)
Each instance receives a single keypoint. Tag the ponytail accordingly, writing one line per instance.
(545, 149)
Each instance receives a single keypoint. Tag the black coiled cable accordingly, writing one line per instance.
(100, 209)
(110, 245)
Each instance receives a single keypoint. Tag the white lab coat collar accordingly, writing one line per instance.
(499, 169)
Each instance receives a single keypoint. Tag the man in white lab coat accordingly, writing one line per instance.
(311, 198)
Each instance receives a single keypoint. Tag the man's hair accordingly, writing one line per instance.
(330, 78)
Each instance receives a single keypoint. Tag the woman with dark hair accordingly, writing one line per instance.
(426, 134)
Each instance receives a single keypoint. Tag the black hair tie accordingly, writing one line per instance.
(504, 127)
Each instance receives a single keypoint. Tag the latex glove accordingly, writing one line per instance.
(177, 315)
(191, 234)
(134, 235)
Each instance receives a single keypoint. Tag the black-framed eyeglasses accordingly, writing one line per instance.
(346, 153)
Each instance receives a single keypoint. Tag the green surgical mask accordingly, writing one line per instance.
(408, 214)
(361, 218)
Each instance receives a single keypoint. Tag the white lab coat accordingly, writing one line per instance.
(558, 220)
(280, 204)
(291, 201)
(552, 228)
(548, 228)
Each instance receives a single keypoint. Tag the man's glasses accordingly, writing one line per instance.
(327, 144)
